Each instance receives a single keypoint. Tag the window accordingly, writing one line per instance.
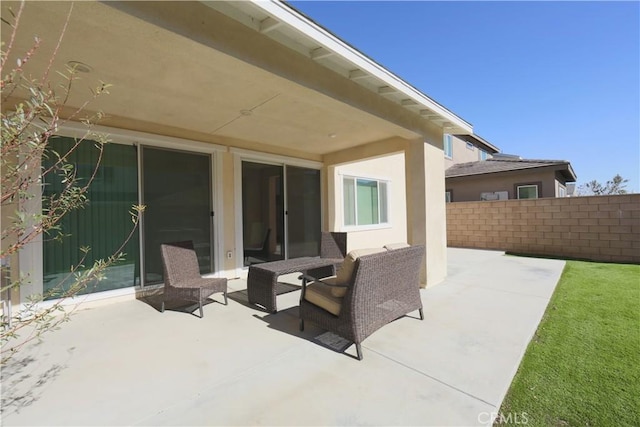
(494, 195)
(562, 192)
(448, 146)
(447, 196)
(483, 155)
(470, 146)
(527, 191)
(365, 201)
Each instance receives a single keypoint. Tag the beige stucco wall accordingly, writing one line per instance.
(10, 265)
(461, 154)
(469, 188)
(426, 207)
(25, 265)
(230, 221)
(425, 211)
(387, 168)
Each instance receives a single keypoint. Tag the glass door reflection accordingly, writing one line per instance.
(177, 194)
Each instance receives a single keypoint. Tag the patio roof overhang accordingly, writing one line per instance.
(255, 75)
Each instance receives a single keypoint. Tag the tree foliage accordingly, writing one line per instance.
(31, 116)
(617, 185)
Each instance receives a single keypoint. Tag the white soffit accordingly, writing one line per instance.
(289, 28)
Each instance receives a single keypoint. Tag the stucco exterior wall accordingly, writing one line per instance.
(436, 234)
(229, 218)
(390, 168)
(461, 153)
(468, 188)
(10, 265)
(423, 170)
(426, 207)
(598, 228)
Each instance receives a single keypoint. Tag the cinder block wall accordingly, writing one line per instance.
(598, 228)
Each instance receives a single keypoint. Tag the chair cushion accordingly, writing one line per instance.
(346, 270)
(393, 246)
(336, 292)
(319, 294)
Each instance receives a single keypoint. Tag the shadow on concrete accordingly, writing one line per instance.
(288, 321)
(23, 382)
(281, 289)
(154, 300)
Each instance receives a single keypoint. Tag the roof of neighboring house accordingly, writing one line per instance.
(505, 165)
(480, 143)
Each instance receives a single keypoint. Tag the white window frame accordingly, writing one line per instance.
(562, 190)
(470, 146)
(447, 196)
(483, 154)
(448, 142)
(358, 227)
(526, 186)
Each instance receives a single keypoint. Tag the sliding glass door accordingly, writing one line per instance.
(176, 189)
(103, 224)
(279, 220)
(303, 212)
(262, 212)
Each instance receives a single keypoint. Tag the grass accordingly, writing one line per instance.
(582, 368)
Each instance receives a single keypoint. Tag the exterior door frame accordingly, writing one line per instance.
(213, 250)
(34, 256)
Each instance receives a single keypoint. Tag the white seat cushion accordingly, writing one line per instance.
(320, 294)
(346, 271)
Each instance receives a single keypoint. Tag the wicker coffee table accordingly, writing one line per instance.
(263, 278)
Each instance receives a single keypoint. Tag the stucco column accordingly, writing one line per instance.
(426, 210)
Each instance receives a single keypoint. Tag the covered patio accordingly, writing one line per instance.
(244, 127)
(125, 363)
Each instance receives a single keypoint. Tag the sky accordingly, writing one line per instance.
(543, 80)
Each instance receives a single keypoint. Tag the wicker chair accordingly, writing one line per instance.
(333, 246)
(182, 279)
(383, 287)
(261, 250)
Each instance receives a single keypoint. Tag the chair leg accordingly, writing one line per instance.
(162, 307)
(225, 298)
(359, 351)
(201, 313)
(301, 325)
(421, 314)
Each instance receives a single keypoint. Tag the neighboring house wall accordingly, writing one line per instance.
(470, 188)
(561, 185)
(462, 152)
(599, 228)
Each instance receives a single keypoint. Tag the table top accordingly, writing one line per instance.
(295, 264)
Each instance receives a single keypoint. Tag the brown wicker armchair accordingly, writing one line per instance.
(182, 279)
(383, 287)
(333, 246)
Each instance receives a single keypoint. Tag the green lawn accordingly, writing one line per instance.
(582, 368)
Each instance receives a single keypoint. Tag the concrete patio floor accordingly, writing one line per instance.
(124, 363)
